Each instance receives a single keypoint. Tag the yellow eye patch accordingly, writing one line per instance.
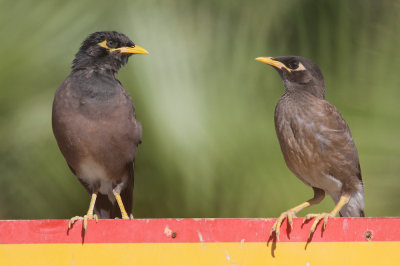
(104, 44)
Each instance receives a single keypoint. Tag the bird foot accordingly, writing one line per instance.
(277, 225)
(318, 217)
(84, 218)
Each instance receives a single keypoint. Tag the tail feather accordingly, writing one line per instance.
(104, 208)
(355, 206)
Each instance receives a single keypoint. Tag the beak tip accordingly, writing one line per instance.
(134, 50)
(260, 59)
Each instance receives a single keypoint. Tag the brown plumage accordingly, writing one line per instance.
(315, 141)
(95, 125)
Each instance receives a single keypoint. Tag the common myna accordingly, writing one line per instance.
(95, 125)
(315, 141)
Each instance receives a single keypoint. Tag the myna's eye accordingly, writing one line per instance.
(112, 44)
(293, 65)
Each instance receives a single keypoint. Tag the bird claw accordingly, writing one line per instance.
(73, 220)
(277, 225)
(85, 219)
(318, 218)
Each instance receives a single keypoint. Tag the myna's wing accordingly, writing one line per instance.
(335, 140)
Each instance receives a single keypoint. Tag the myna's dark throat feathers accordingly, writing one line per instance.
(94, 85)
(101, 62)
(316, 90)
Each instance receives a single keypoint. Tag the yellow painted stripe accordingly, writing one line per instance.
(332, 253)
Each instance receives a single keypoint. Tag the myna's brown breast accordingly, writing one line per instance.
(101, 131)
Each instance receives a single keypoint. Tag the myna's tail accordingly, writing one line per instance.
(355, 206)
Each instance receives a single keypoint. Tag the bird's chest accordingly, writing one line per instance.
(93, 118)
(94, 104)
(295, 129)
(95, 122)
(98, 101)
(98, 110)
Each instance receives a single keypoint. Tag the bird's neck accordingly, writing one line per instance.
(102, 65)
(316, 90)
(94, 85)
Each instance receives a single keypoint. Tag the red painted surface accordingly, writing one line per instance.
(194, 231)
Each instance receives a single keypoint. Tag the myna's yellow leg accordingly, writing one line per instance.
(319, 195)
(89, 214)
(121, 205)
(344, 199)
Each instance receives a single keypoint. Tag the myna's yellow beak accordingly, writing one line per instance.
(270, 61)
(132, 50)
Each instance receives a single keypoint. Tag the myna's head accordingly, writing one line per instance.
(107, 50)
(298, 73)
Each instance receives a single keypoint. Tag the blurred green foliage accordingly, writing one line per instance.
(209, 147)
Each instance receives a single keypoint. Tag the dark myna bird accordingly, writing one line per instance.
(95, 125)
(315, 141)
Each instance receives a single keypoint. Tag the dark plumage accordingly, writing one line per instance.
(315, 141)
(95, 125)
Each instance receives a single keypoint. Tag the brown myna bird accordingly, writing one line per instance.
(95, 125)
(315, 141)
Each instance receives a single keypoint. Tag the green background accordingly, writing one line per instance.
(209, 146)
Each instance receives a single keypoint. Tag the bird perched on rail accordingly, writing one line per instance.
(315, 141)
(94, 123)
